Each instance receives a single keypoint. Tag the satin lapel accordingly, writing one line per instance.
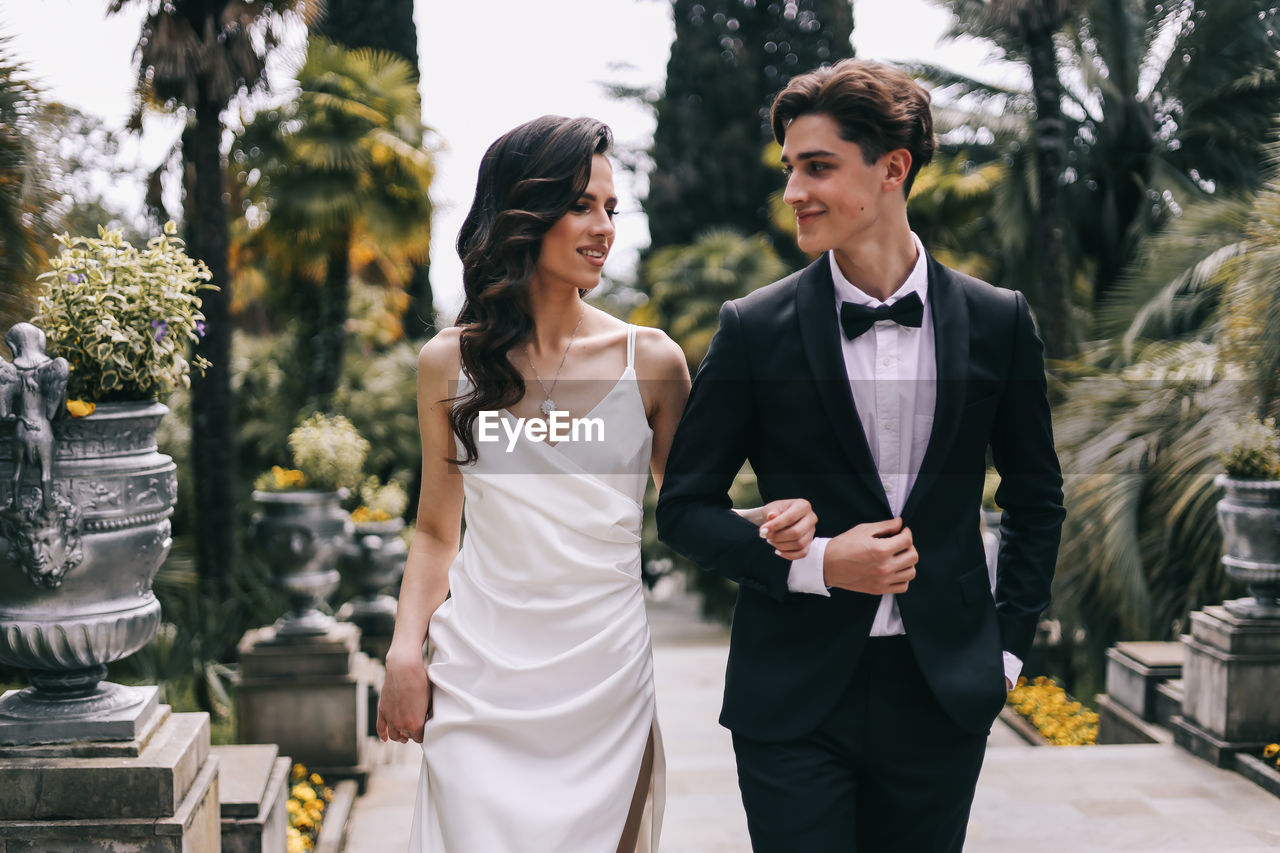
(821, 336)
(950, 313)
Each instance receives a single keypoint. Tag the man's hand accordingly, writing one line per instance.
(875, 558)
(788, 526)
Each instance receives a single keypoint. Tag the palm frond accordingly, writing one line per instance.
(1173, 287)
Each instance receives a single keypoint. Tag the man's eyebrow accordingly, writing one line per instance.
(809, 155)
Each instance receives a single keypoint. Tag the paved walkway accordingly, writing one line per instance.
(1047, 800)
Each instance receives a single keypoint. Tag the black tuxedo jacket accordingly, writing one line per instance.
(773, 391)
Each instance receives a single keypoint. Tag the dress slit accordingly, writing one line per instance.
(641, 801)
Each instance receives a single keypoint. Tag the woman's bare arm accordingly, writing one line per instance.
(405, 700)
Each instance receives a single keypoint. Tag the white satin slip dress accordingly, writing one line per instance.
(540, 660)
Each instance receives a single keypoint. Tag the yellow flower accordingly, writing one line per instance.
(305, 808)
(80, 408)
(362, 515)
(1271, 750)
(288, 478)
(1060, 720)
(299, 844)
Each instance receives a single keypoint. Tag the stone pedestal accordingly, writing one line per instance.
(1229, 682)
(310, 696)
(157, 793)
(1129, 711)
(253, 791)
(127, 714)
(1136, 669)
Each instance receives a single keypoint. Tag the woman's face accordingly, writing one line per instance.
(573, 251)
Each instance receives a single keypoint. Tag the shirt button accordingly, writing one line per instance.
(888, 425)
(886, 361)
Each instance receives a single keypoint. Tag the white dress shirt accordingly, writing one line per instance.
(893, 375)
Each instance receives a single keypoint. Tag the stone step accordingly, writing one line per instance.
(253, 788)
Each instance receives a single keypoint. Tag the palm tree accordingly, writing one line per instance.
(1027, 29)
(1196, 344)
(343, 166)
(1034, 23)
(198, 55)
(1162, 103)
(386, 25)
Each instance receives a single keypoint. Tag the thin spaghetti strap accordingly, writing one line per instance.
(631, 345)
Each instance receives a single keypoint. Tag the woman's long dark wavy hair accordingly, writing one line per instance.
(528, 179)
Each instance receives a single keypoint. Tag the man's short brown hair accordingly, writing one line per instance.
(876, 107)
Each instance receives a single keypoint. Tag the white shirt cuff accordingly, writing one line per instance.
(806, 573)
(1012, 667)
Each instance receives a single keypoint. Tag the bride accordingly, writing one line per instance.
(535, 709)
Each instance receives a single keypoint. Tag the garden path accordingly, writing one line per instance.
(1050, 800)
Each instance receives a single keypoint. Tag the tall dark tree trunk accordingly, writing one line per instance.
(1055, 317)
(331, 339)
(213, 454)
(386, 25)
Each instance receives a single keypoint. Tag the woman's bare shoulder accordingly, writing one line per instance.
(657, 356)
(440, 358)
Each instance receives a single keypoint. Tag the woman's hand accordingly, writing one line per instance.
(788, 526)
(405, 702)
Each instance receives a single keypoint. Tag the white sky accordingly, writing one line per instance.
(487, 65)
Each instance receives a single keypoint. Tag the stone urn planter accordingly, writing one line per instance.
(80, 551)
(373, 561)
(302, 534)
(1249, 515)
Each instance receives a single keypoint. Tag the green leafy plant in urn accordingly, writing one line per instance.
(301, 527)
(86, 495)
(1249, 515)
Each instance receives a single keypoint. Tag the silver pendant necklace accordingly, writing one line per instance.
(548, 405)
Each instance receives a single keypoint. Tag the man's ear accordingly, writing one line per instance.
(896, 165)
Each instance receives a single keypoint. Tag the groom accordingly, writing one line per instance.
(864, 678)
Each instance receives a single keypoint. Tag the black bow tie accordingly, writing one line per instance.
(856, 319)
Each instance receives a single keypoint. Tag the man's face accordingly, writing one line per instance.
(839, 198)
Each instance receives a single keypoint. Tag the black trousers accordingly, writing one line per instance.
(887, 772)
